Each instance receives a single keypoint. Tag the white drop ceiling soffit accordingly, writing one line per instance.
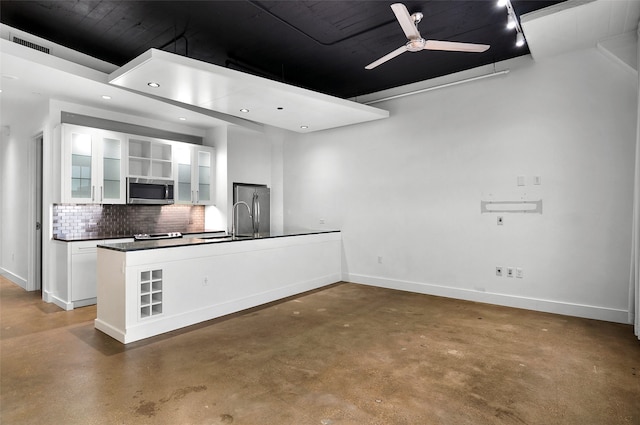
(578, 24)
(224, 90)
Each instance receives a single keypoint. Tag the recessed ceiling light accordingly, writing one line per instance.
(244, 110)
(106, 97)
(304, 127)
(182, 118)
(280, 108)
(154, 85)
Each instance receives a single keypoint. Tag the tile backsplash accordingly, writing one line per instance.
(96, 221)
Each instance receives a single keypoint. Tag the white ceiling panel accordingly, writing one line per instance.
(228, 91)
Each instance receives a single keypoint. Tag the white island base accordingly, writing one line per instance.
(147, 292)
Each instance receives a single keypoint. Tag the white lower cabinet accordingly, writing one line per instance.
(75, 284)
(147, 292)
(83, 272)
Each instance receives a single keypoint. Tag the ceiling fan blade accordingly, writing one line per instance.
(453, 46)
(405, 20)
(387, 57)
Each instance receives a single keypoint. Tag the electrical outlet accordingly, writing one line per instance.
(379, 260)
(205, 281)
(519, 273)
(500, 220)
(509, 271)
(322, 221)
(537, 180)
(498, 271)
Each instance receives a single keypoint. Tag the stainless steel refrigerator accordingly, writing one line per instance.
(258, 198)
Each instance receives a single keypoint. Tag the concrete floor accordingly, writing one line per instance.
(348, 354)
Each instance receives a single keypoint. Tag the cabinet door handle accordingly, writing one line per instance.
(93, 191)
(101, 193)
(197, 196)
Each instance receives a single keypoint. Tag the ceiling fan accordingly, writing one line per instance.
(409, 24)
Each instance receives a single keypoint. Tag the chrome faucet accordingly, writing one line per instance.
(233, 216)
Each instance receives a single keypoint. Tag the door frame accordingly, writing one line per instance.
(36, 207)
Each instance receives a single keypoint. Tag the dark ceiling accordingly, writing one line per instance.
(319, 45)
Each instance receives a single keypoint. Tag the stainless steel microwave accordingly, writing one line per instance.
(149, 191)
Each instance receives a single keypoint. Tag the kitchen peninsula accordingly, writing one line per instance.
(151, 287)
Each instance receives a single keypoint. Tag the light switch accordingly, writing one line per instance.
(520, 180)
(537, 180)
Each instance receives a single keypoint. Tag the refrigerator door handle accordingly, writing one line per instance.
(254, 202)
(258, 214)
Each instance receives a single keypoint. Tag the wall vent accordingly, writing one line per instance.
(31, 45)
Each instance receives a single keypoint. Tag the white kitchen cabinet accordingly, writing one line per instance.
(76, 274)
(147, 292)
(93, 169)
(150, 158)
(195, 179)
(83, 271)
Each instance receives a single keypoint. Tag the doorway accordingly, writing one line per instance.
(35, 284)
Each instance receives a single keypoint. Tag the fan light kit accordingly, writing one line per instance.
(416, 43)
(512, 21)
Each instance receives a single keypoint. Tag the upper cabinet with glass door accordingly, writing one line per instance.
(195, 168)
(93, 170)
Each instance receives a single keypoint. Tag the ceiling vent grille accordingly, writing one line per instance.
(31, 45)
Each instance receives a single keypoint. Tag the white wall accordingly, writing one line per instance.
(408, 189)
(21, 122)
(256, 158)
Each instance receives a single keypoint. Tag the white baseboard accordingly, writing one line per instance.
(50, 298)
(547, 306)
(113, 332)
(20, 281)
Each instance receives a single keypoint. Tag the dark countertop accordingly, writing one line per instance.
(76, 238)
(176, 243)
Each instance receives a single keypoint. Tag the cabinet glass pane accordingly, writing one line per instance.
(81, 188)
(184, 192)
(80, 176)
(81, 152)
(111, 169)
(204, 174)
(80, 144)
(80, 167)
(111, 189)
(204, 193)
(184, 173)
(111, 148)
